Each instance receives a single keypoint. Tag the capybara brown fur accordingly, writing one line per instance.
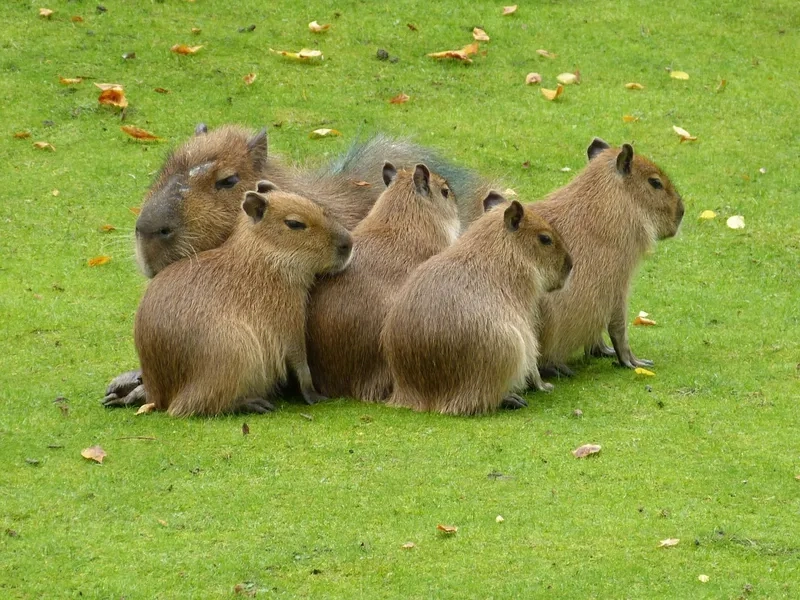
(461, 337)
(415, 218)
(609, 216)
(215, 333)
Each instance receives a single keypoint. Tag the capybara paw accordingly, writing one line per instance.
(313, 397)
(124, 384)
(136, 397)
(256, 405)
(600, 350)
(513, 402)
(545, 387)
(643, 362)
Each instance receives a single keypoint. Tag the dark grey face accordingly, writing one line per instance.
(160, 225)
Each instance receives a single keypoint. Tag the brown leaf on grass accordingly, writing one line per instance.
(362, 183)
(45, 13)
(107, 228)
(546, 53)
(69, 80)
(552, 94)
(567, 78)
(305, 55)
(721, 85)
(146, 408)
(44, 146)
(462, 55)
(684, 135)
(629, 119)
(245, 429)
(634, 86)
(586, 450)
(249, 78)
(639, 320)
(98, 260)
(533, 78)
(76, 19)
(95, 453)
(247, 589)
(447, 529)
(679, 75)
(322, 133)
(161, 90)
(22, 135)
(129, 56)
(113, 97)
(480, 35)
(411, 26)
(400, 99)
(315, 27)
(184, 49)
(139, 134)
(135, 210)
(509, 10)
(162, 522)
(196, 30)
(668, 543)
(408, 546)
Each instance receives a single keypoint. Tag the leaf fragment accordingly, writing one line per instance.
(45, 13)
(629, 119)
(533, 78)
(161, 90)
(645, 372)
(135, 210)
(249, 78)
(640, 320)
(184, 49)
(109, 86)
(708, 214)
(22, 135)
(684, 135)
(408, 546)
(499, 519)
(586, 450)
(315, 27)
(400, 99)
(447, 529)
(55, 193)
(304, 55)
(139, 134)
(76, 19)
(98, 260)
(735, 222)
(107, 228)
(634, 86)
(567, 78)
(669, 543)
(196, 30)
(679, 75)
(95, 453)
(44, 146)
(462, 55)
(509, 10)
(321, 133)
(703, 578)
(162, 522)
(113, 97)
(479, 35)
(146, 408)
(552, 94)
(721, 85)
(546, 53)
(69, 80)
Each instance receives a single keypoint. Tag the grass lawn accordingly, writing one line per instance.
(318, 501)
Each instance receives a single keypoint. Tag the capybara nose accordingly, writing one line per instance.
(344, 245)
(162, 233)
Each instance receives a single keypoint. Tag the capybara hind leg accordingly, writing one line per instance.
(599, 350)
(513, 402)
(125, 390)
(255, 405)
(299, 366)
(555, 370)
(535, 382)
(618, 332)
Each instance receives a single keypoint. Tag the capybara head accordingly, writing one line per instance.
(195, 201)
(297, 230)
(540, 245)
(648, 187)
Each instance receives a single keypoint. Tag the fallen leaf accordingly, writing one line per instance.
(499, 519)
(567, 78)
(586, 450)
(797, 477)
(196, 30)
(161, 90)
(146, 408)
(45, 13)
(735, 222)
(113, 97)
(577, 413)
(634, 86)
(509, 10)
(533, 78)
(245, 429)
(22, 135)
(641, 371)
(721, 85)
(184, 49)
(249, 78)
(643, 321)
(107, 228)
(679, 75)
(162, 522)
(69, 80)
(129, 56)
(305, 55)
(400, 99)
(109, 86)
(315, 27)
(408, 546)
(411, 26)
(629, 119)
(708, 214)
(321, 133)
(685, 135)
(480, 35)
(546, 53)
(44, 146)
(362, 183)
(668, 543)
(448, 529)
(552, 94)
(703, 578)
(139, 134)
(462, 55)
(135, 210)
(76, 19)
(95, 453)
(55, 193)
(98, 260)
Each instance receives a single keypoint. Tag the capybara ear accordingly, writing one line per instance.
(201, 129)
(257, 148)
(422, 179)
(492, 199)
(596, 147)
(513, 216)
(624, 159)
(264, 187)
(255, 205)
(389, 173)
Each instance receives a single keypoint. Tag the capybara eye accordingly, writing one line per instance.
(445, 192)
(227, 183)
(545, 239)
(656, 183)
(296, 225)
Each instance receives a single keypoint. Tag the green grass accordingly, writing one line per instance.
(320, 507)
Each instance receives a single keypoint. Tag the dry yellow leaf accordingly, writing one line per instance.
(708, 214)
(679, 75)
(55, 193)
(45, 13)
(315, 27)
(196, 30)
(735, 222)
(321, 133)
(499, 519)
(509, 10)
(161, 90)
(586, 450)
(545, 53)
(22, 135)
(139, 134)
(107, 228)
(462, 55)
(95, 453)
(69, 80)
(634, 86)
(76, 19)
(567, 78)
(109, 86)
(135, 210)
(113, 97)
(552, 94)
(400, 99)
(184, 49)
(162, 522)
(146, 408)
(668, 543)
(640, 320)
(448, 529)
(684, 135)
(250, 78)
(98, 260)
(408, 546)
(44, 146)
(533, 78)
(629, 119)
(305, 55)
(641, 371)
(480, 35)
(703, 578)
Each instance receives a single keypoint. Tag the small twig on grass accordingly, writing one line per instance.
(149, 438)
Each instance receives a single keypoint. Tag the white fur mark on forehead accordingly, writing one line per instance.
(201, 169)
